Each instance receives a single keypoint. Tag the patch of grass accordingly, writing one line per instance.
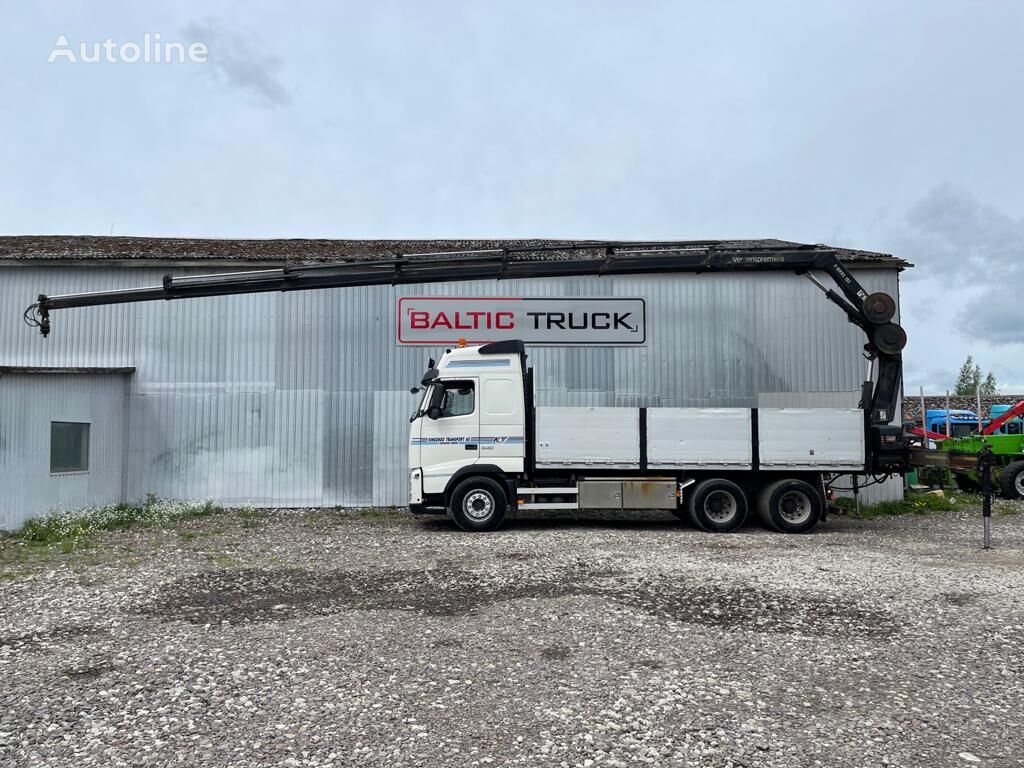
(1006, 509)
(222, 560)
(342, 515)
(67, 546)
(914, 504)
(848, 506)
(252, 517)
(375, 513)
(14, 552)
(72, 530)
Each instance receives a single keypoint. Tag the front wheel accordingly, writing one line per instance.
(1011, 480)
(790, 506)
(478, 504)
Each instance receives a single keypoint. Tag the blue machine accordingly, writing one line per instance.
(961, 422)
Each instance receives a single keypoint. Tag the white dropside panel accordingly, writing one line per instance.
(692, 438)
(588, 437)
(814, 438)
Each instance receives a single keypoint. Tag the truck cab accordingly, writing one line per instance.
(961, 422)
(470, 419)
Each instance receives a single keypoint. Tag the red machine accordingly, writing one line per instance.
(1010, 415)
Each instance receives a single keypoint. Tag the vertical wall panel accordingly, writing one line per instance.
(391, 412)
(348, 466)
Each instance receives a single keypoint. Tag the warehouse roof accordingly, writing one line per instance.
(167, 251)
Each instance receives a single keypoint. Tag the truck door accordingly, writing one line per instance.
(452, 440)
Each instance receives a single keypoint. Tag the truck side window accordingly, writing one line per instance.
(458, 399)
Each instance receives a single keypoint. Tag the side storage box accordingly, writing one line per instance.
(600, 494)
(611, 493)
(649, 493)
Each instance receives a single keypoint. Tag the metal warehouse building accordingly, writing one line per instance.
(302, 399)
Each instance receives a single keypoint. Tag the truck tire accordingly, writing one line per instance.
(717, 506)
(478, 504)
(1011, 480)
(790, 506)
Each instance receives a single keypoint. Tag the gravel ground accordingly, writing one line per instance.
(323, 638)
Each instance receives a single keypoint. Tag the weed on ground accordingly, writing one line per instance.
(927, 503)
(73, 531)
(913, 504)
(72, 528)
(343, 515)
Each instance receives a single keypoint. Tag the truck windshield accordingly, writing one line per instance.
(957, 428)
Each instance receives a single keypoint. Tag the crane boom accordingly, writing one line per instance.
(1007, 416)
(873, 313)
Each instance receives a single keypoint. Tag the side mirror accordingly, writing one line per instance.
(429, 376)
(434, 406)
(414, 390)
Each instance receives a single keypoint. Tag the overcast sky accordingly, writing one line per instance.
(896, 127)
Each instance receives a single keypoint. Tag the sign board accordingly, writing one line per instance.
(559, 320)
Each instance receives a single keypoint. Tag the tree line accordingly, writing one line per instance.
(969, 380)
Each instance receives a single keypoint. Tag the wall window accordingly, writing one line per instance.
(69, 446)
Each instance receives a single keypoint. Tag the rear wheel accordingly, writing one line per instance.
(717, 506)
(790, 506)
(478, 504)
(1011, 480)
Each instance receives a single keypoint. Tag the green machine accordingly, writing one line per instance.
(960, 456)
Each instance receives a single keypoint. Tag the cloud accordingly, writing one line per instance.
(967, 244)
(240, 62)
(950, 231)
(997, 316)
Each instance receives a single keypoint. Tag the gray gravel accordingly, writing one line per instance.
(320, 638)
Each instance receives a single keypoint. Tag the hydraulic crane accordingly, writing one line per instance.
(872, 313)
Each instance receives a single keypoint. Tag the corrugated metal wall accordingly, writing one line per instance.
(28, 403)
(301, 398)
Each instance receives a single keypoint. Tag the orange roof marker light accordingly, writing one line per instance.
(462, 343)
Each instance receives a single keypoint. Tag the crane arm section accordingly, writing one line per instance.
(1006, 416)
(872, 313)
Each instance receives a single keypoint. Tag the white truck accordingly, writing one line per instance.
(478, 447)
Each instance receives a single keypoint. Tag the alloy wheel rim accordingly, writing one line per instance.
(795, 507)
(720, 506)
(478, 505)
